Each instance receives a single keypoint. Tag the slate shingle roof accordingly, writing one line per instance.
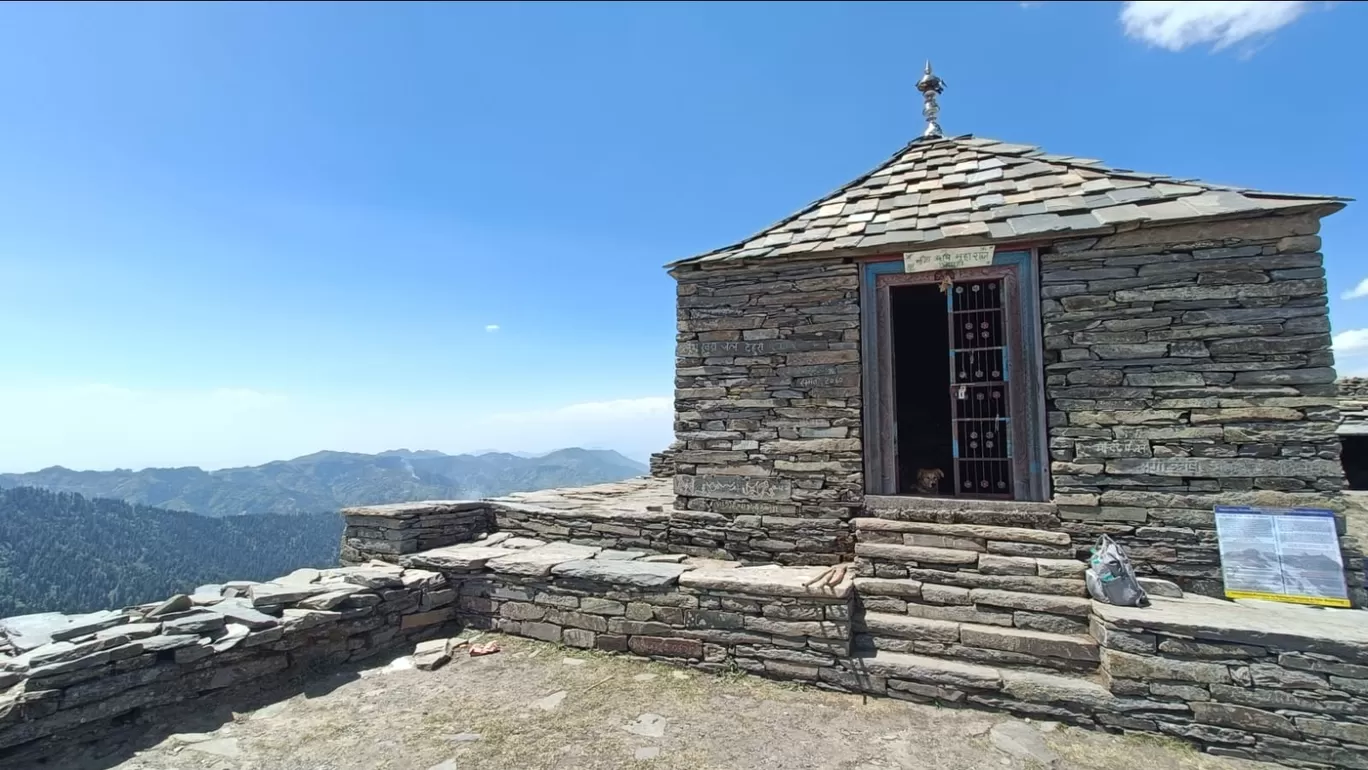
(971, 190)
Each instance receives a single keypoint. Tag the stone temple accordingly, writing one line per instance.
(1096, 349)
(904, 415)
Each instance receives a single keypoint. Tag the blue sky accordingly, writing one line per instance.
(242, 232)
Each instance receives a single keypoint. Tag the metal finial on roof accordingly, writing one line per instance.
(931, 86)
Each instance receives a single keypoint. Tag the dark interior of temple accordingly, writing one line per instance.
(921, 382)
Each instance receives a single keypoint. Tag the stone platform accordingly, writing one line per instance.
(1256, 679)
(979, 608)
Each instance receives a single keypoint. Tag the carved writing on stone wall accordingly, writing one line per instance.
(747, 507)
(733, 487)
(947, 259)
(828, 381)
(1205, 467)
(735, 348)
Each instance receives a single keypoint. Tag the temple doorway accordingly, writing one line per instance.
(956, 407)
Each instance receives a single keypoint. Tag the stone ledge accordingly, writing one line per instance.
(766, 581)
(411, 510)
(1331, 631)
(621, 572)
(975, 531)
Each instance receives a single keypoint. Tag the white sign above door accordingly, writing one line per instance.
(947, 259)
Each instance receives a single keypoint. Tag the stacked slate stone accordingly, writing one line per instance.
(628, 529)
(1262, 688)
(389, 530)
(1188, 367)
(69, 680)
(748, 538)
(962, 582)
(662, 464)
(767, 391)
(715, 617)
(1353, 403)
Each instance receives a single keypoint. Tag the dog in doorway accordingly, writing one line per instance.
(929, 480)
(926, 480)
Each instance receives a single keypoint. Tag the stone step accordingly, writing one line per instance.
(1008, 513)
(957, 560)
(986, 606)
(1009, 541)
(999, 644)
(916, 555)
(866, 568)
(924, 677)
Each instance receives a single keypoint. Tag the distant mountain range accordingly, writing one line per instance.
(326, 481)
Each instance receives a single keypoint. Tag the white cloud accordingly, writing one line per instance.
(1175, 25)
(1358, 292)
(1350, 340)
(101, 427)
(491, 328)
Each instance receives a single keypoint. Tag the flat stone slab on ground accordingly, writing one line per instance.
(552, 701)
(432, 654)
(641, 574)
(648, 726)
(1023, 742)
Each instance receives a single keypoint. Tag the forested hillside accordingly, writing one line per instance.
(64, 552)
(328, 481)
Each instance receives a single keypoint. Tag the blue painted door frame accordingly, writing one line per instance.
(1025, 363)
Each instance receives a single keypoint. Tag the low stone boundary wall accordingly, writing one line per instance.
(1243, 682)
(104, 678)
(1244, 679)
(759, 619)
(390, 531)
(387, 531)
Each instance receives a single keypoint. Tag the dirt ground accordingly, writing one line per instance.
(537, 705)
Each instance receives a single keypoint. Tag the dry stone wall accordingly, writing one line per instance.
(1353, 402)
(1261, 689)
(108, 677)
(392, 531)
(379, 531)
(662, 464)
(755, 619)
(1188, 367)
(1289, 684)
(767, 391)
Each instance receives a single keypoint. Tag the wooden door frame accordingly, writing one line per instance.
(1018, 268)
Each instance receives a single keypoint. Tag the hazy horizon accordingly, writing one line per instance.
(477, 452)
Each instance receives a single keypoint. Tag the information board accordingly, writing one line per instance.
(1285, 555)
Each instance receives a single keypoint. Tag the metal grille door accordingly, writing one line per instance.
(979, 403)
